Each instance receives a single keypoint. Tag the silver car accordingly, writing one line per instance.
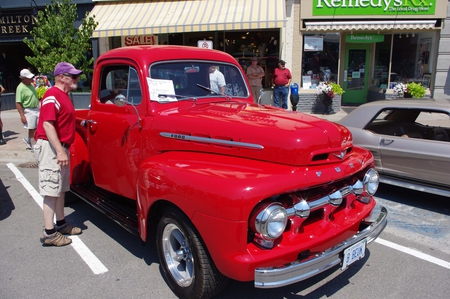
(409, 140)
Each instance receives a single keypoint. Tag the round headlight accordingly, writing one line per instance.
(271, 221)
(371, 181)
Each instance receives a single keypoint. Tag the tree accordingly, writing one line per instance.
(55, 38)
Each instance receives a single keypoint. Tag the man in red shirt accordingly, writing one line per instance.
(55, 133)
(281, 79)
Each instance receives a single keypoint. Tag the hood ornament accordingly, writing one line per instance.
(341, 155)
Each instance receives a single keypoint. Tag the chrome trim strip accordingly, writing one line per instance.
(274, 277)
(211, 140)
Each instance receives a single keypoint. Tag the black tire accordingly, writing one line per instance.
(187, 266)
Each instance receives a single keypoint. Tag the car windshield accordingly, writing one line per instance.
(180, 80)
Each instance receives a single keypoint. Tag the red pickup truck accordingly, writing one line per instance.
(227, 188)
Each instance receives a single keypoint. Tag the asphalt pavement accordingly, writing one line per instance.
(15, 149)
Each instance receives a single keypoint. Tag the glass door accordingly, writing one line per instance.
(355, 74)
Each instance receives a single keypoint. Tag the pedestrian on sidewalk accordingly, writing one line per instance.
(255, 73)
(55, 133)
(2, 139)
(281, 80)
(27, 103)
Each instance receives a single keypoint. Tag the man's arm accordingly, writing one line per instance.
(52, 137)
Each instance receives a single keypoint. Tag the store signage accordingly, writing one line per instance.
(364, 38)
(134, 40)
(313, 43)
(205, 44)
(17, 24)
(373, 7)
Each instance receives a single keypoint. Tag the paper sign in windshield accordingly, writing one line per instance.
(160, 90)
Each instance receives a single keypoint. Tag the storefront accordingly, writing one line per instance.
(17, 19)
(370, 46)
(243, 29)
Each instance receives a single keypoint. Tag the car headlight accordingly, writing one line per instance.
(371, 181)
(271, 221)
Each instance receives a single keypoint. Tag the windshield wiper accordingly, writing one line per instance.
(208, 89)
(178, 96)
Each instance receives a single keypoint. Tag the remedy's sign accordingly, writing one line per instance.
(364, 38)
(373, 7)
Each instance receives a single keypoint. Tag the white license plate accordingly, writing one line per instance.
(353, 253)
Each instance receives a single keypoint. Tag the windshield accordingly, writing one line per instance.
(172, 81)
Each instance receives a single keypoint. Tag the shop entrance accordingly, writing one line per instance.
(356, 77)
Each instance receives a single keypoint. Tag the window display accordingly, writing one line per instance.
(320, 59)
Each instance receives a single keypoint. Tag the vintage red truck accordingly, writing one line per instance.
(227, 188)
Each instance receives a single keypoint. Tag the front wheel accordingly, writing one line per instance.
(187, 266)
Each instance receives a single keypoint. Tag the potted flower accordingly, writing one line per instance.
(400, 89)
(41, 91)
(416, 90)
(329, 90)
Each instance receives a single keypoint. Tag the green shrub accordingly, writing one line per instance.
(416, 90)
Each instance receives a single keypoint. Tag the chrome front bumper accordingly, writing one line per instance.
(274, 277)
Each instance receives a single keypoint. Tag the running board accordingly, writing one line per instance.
(120, 209)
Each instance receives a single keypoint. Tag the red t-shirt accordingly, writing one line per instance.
(56, 106)
(281, 76)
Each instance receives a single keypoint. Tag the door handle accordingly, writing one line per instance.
(85, 122)
(386, 142)
(92, 124)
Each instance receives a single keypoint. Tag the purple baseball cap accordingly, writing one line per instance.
(65, 67)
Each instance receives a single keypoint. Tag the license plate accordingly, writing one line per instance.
(353, 253)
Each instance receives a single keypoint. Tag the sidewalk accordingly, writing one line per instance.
(15, 150)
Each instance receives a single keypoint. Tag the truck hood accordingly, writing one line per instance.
(252, 131)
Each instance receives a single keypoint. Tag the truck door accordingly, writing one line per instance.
(113, 132)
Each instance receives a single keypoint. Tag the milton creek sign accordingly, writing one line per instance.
(16, 23)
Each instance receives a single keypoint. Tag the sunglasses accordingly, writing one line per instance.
(71, 76)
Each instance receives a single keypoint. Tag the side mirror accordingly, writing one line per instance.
(120, 100)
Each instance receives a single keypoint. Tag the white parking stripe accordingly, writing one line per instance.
(415, 253)
(88, 257)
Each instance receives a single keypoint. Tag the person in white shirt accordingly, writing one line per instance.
(216, 80)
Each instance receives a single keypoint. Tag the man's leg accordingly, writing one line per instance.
(284, 95)
(276, 97)
(50, 236)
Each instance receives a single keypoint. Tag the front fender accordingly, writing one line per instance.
(218, 194)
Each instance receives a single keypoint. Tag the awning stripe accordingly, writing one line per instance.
(371, 25)
(167, 16)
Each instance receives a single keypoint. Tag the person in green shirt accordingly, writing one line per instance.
(27, 103)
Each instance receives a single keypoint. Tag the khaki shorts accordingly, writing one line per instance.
(53, 179)
(32, 116)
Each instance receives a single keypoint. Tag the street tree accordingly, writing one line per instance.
(56, 39)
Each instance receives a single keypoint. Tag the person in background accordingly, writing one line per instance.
(55, 133)
(2, 139)
(216, 80)
(27, 103)
(281, 80)
(255, 73)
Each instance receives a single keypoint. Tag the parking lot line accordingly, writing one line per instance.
(85, 253)
(415, 253)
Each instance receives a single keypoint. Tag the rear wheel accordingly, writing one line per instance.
(187, 266)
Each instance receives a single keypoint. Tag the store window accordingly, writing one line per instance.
(411, 58)
(381, 66)
(320, 58)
